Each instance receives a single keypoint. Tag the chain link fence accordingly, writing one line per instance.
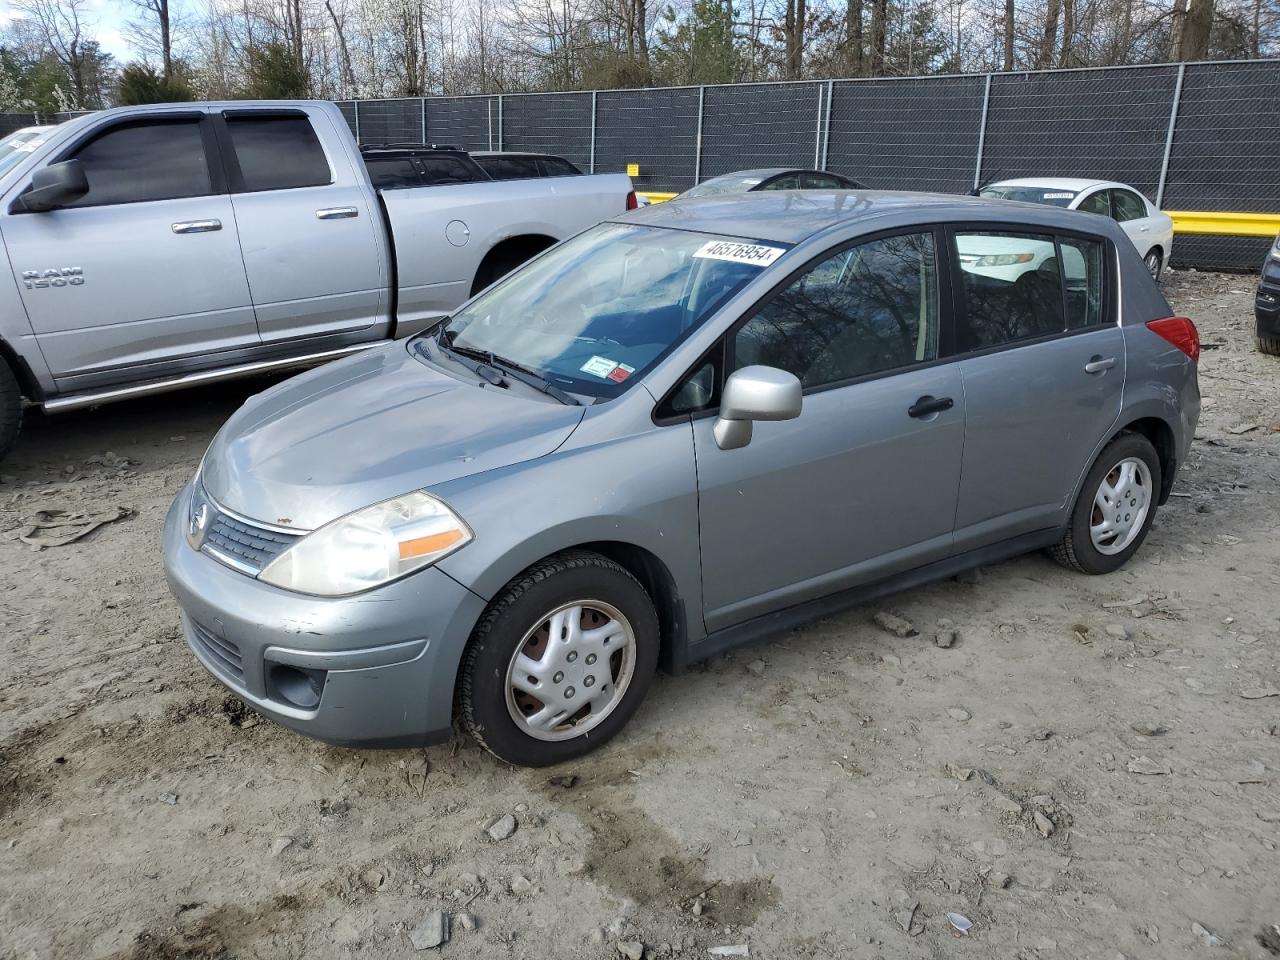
(1199, 136)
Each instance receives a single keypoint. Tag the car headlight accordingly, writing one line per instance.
(995, 259)
(370, 547)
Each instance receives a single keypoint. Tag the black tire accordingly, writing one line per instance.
(10, 409)
(522, 605)
(1077, 550)
(1154, 263)
(1269, 345)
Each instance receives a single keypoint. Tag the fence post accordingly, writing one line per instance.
(356, 105)
(592, 167)
(826, 135)
(817, 133)
(499, 121)
(697, 155)
(488, 102)
(1168, 137)
(982, 134)
(423, 102)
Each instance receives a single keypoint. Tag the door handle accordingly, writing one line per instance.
(196, 226)
(927, 405)
(1099, 364)
(337, 213)
(1144, 229)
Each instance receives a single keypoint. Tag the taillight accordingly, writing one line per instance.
(632, 202)
(1179, 331)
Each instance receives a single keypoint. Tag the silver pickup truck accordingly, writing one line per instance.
(157, 247)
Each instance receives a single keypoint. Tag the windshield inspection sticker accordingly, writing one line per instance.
(621, 372)
(602, 367)
(748, 253)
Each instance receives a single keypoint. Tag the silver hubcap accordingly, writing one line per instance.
(1120, 506)
(571, 670)
(1153, 264)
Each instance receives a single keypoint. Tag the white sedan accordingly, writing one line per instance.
(1150, 229)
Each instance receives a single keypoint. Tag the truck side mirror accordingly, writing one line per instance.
(54, 186)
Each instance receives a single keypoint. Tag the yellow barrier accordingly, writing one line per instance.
(1184, 221)
(1225, 224)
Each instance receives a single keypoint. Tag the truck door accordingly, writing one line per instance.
(310, 234)
(142, 274)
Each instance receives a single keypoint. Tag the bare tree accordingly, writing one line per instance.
(1008, 34)
(60, 26)
(879, 35)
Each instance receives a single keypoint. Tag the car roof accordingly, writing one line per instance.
(792, 216)
(1074, 184)
(482, 154)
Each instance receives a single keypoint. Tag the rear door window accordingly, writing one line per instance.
(1082, 279)
(1127, 205)
(149, 160)
(277, 152)
(1012, 287)
(790, 181)
(557, 167)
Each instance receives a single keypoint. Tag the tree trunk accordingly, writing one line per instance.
(1008, 35)
(879, 18)
(166, 45)
(1193, 44)
(348, 75)
(1068, 33)
(642, 30)
(1049, 40)
(853, 36)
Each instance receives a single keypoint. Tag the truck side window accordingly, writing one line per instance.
(278, 152)
(148, 160)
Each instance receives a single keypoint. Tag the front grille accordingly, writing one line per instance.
(224, 653)
(245, 545)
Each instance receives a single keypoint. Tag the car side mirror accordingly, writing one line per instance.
(755, 393)
(55, 185)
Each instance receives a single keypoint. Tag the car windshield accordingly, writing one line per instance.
(721, 185)
(1049, 195)
(599, 310)
(17, 145)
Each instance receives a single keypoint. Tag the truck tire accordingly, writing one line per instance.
(1269, 346)
(10, 409)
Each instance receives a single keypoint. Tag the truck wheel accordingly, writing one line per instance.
(1115, 509)
(1269, 346)
(560, 660)
(10, 409)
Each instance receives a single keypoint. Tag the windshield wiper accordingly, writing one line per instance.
(474, 360)
(533, 379)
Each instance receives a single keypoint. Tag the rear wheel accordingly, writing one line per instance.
(560, 660)
(1269, 345)
(1154, 263)
(1115, 509)
(10, 409)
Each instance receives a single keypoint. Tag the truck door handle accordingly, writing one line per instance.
(1099, 364)
(337, 213)
(927, 405)
(197, 226)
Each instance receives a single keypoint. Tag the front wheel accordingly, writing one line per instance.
(560, 660)
(10, 409)
(1115, 509)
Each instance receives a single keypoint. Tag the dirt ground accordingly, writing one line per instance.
(835, 793)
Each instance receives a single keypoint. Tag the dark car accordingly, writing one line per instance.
(507, 165)
(1266, 305)
(395, 165)
(771, 178)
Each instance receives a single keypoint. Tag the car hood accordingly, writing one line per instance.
(367, 428)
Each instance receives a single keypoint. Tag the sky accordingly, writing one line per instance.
(106, 20)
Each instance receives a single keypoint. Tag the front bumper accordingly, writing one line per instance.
(380, 666)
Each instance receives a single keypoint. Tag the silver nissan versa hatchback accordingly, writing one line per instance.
(682, 431)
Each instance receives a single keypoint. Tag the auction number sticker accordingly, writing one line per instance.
(607, 369)
(749, 253)
(1058, 196)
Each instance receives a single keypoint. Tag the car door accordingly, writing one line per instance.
(311, 241)
(1135, 220)
(864, 482)
(1043, 372)
(143, 273)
